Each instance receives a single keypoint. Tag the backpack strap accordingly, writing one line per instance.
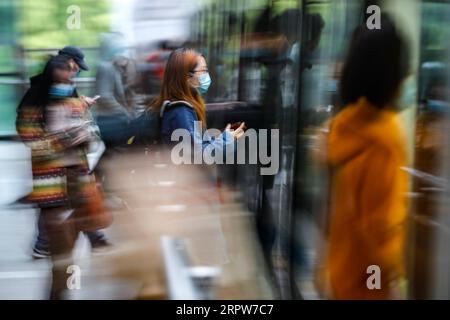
(172, 104)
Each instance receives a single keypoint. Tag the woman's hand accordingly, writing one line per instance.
(236, 132)
(89, 101)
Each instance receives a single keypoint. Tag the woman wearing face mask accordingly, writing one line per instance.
(58, 130)
(180, 103)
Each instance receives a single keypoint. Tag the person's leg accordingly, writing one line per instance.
(41, 246)
(62, 236)
(95, 237)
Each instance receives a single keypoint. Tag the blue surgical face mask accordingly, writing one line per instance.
(62, 90)
(204, 83)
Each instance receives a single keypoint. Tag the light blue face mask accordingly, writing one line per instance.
(204, 83)
(61, 90)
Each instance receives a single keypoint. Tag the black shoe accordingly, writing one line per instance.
(39, 253)
(101, 246)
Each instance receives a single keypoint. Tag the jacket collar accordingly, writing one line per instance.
(167, 103)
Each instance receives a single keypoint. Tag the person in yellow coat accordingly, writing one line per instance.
(366, 150)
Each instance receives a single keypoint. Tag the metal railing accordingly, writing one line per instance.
(186, 282)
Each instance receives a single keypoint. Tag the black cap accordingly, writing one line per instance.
(76, 54)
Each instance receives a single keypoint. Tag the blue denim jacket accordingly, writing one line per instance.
(182, 116)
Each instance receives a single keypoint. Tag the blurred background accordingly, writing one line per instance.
(225, 231)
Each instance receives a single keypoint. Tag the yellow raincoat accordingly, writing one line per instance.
(366, 150)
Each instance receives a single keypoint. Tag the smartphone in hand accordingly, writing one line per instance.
(235, 125)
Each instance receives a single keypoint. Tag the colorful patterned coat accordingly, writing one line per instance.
(58, 140)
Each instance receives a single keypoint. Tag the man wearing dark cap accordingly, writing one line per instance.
(77, 63)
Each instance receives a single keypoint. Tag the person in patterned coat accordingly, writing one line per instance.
(58, 129)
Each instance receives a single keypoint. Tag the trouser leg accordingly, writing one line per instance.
(62, 235)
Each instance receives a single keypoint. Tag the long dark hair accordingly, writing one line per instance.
(58, 62)
(377, 62)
